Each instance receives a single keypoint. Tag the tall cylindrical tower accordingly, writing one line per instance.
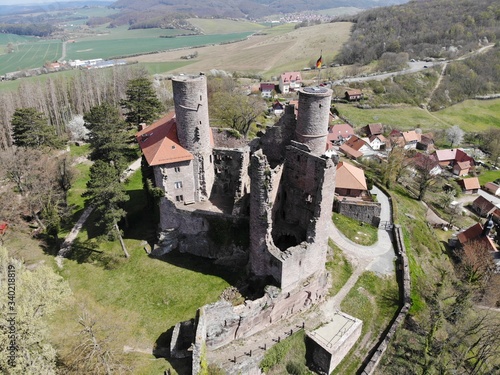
(313, 117)
(193, 129)
(191, 112)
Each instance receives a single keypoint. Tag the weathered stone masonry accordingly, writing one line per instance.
(276, 193)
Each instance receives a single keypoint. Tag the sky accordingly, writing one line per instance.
(22, 2)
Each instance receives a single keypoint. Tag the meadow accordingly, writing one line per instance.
(29, 53)
(470, 115)
(136, 43)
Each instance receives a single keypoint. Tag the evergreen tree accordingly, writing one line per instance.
(30, 128)
(107, 135)
(142, 104)
(107, 195)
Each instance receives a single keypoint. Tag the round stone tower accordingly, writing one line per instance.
(191, 112)
(193, 129)
(313, 117)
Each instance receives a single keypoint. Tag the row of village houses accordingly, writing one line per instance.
(291, 81)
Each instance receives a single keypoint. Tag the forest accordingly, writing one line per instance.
(435, 28)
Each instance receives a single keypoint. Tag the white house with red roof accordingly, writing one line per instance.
(266, 89)
(339, 133)
(290, 81)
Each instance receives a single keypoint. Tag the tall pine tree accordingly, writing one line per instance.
(142, 103)
(107, 195)
(107, 135)
(31, 128)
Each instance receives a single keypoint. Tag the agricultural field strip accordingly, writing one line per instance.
(96, 48)
(33, 55)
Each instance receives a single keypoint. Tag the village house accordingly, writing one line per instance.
(289, 82)
(377, 142)
(469, 185)
(349, 152)
(373, 129)
(452, 157)
(351, 182)
(478, 233)
(339, 133)
(492, 188)
(411, 139)
(277, 108)
(267, 89)
(422, 161)
(357, 144)
(426, 142)
(353, 95)
(483, 207)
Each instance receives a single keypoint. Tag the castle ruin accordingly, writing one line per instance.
(264, 204)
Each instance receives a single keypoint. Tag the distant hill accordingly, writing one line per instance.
(49, 6)
(252, 9)
(431, 28)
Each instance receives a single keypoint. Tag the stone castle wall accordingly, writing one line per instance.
(204, 233)
(223, 323)
(366, 212)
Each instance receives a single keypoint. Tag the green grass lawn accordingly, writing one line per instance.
(224, 26)
(360, 233)
(471, 115)
(140, 297)
(164, 67)
(375, 301)
(403, 117)
(488, 176)
(287, 356)
(339, 267)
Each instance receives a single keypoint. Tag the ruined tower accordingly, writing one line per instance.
(193, 129)
(313, 118)
(291, 204)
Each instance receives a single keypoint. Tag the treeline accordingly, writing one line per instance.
(39, 29)
(465, 79)
(60, 99)
(434, 28)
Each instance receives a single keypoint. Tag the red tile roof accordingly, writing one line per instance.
(291, 76)
(350, 177)
(475, 233)
(349, 151)
(159, 142)
(470, 233)
(471, 183)
(335, 131)
(375, 129)
(355, 142)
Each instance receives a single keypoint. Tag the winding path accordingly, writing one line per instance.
(70, 238)
(378, 258)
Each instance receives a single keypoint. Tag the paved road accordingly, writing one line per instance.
(379, 257)
(413, 67)
(468, 198)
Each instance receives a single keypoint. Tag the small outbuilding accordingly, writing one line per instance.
(492, 188)
(470, 185)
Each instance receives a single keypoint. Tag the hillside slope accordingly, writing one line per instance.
(241, 9)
